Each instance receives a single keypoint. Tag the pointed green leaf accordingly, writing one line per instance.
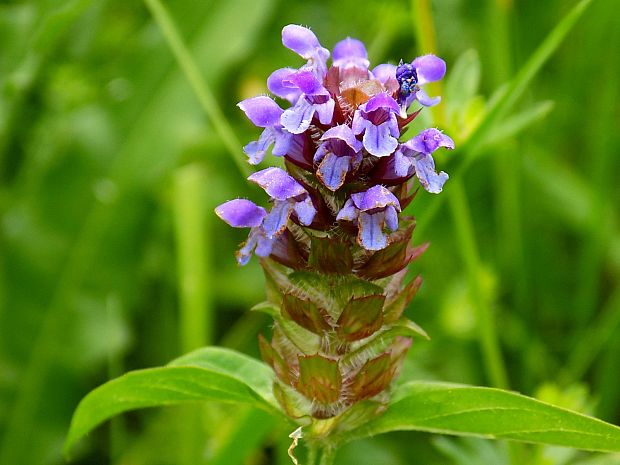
(490, 413)
(211, 373)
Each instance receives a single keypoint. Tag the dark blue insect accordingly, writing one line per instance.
(407, 78)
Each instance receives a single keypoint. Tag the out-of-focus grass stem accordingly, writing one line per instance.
(487, 332)
(191, 233)
(494, 365)
(196, 315)
(200, 87)
(424, 27)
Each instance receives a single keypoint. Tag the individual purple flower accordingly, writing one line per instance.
(410, 76)
(242, 213)
(275, 84)
(416, 154)
(377, 120)
(350, 53)
(288, 196)
(339, 153)
(314, 99)
(302, 41)
(373, 209)
(265, 113)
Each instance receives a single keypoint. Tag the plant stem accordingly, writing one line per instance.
(199, 86)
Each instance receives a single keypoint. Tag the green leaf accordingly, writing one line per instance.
(489, 413)
(214, 374)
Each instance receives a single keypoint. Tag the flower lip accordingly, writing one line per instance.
(278, 183)
(342, 133)
(374, 199)
(241, 213)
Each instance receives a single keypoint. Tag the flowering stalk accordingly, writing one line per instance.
(334, 245)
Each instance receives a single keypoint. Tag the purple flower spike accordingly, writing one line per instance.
(314, 99)
(242, 213)
(338, 154)
(416, 154)
(265, 113)
(288, 196)
(302, 41)
(350, 53)
(377, 120)
(374, 209)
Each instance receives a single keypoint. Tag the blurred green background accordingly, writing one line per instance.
(111, 258)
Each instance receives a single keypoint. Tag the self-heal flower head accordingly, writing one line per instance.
(338, 154)
(302, 41)
(410, 76)
(373, 209)
(288, 196)
(314, 98)
(377, 120)
(243, 213)
(416, 154)
(265, 113)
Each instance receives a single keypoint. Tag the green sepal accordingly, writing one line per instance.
(319, 378)
(394, 308)
(330, 256)
(306, 314)
(361, 317)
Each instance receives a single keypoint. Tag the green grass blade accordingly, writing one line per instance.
(490, 413)
(519, 84)
(199, 85)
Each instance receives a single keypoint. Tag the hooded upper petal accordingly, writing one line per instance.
(350, 52)
(241, 213)
(275, 84)
(430, 140)
(377, 197)
(277, 183)
(262, 111)
(430, 68)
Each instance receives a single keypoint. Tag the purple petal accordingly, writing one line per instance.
(429, 140)
(425, 171)
(298, 118)
(350, 52)
(377, 197)
(275, 84)
(429, 68)
(275, 221)
(306, 82)
(348, 212)
(333, 170)
(283, 141)
(359, 122)
(261, 110)
(256, 150)
(381, 100)
(370, 234)
(305, 211)
(378, 141)
(384, 72)
(325, 111)
(401, 164)
(241, 213)
(277, 183)
(256, 240)
(422, 97)
(391, 218)
(344, 133)
(300, 40)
